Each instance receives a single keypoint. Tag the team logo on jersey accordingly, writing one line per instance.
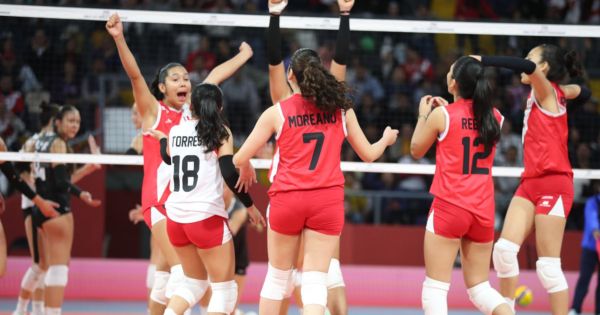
(168, 121)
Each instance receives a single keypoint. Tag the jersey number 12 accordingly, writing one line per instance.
(474, 169)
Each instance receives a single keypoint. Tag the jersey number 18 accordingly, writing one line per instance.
(185, 172)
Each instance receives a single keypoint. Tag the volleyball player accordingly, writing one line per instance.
(310, 127)
(544, 197)
(136, 214)
(280, 90)
(200, 151)
(462, 212)
(161, 107)
(53, 181)
(33, 279)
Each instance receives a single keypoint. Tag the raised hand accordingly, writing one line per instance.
(345, 5)
(114, 26)
(390, 135)
(246, 49)
(87, 198)
(277, 6)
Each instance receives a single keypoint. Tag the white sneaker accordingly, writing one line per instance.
(573, 312)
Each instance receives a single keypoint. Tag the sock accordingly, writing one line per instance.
(53, 311)
(37, 308)
(21, 306)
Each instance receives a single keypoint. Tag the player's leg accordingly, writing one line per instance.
(59, 232)
(517, 225)
(336, 288)
(475, 259)
(549, 231)
(440, 253)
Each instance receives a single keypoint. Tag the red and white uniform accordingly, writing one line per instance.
(463, 185)
(547, 180)
(157, 174)
(307, 182)
(195, 207)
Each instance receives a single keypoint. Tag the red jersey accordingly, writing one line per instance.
(463, 170)
(157, 174)
(545, 136)
(309, 146)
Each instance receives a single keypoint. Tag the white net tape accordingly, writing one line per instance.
(297, 22)
(397, 168)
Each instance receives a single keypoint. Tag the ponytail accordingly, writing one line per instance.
(317, 84)
(472, 84)
(159, 78)
(207, 103)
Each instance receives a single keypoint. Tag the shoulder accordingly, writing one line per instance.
(58, 146)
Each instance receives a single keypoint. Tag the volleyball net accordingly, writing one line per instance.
(64, 55)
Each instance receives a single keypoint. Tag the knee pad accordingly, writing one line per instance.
(505, 258)
(192, 290)
(335, 278)
(224, 296)
(485, 298)
(159, 287)
(297, 278)
(276, 283)
(314, 288)
(150, 276)
(31, 278)
(550, 274)
(434, 297)
(175, 280)
(57, 276)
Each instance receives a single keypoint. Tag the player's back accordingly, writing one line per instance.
(196, 189)
(463, 163)
(308, 147)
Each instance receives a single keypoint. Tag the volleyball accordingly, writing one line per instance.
(523, 296)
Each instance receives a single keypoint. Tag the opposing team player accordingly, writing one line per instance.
(161, 107)
(32, 284)
(280, 90)
(200, 151)
(310, 127)
(53, 182)
(462, 212)
(545, 195)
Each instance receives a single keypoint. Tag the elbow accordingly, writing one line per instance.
(415, 151)
(237, 161)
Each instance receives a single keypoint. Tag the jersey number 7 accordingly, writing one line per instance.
(320, 137)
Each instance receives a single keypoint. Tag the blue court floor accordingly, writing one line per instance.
(130, 308)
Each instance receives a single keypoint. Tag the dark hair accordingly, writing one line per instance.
(317, 84)
(49, 111)
(472, 84)
(207, 104)
(160, 77)
(561, 62)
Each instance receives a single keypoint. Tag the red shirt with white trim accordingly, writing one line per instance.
(545, 136)
(309, 146)
(157, 174)
(463, 174)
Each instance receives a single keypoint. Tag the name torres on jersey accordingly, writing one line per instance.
(186, 141)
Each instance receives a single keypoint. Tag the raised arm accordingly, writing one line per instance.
(146, 102)
(430, 124)
(542, 88)
(278, 85)
(356, 137)
(263, 130)
(342, 46)
(225, 70)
